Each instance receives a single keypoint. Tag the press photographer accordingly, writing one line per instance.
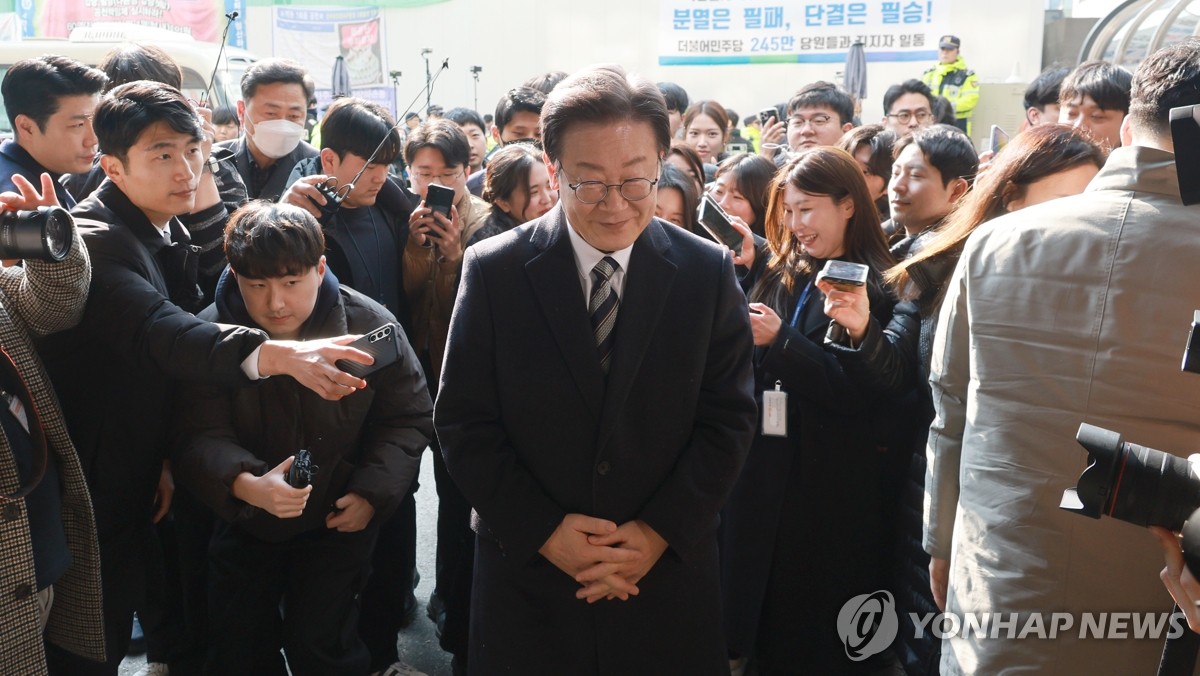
(47, 531)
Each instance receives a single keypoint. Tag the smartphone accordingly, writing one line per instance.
(843, 275)
(734, 148)
(997, 139)
(765, 115)
(440, 199)
(383, 344)
(714, 219)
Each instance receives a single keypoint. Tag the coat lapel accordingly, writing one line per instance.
(647, 286)
(554, 277)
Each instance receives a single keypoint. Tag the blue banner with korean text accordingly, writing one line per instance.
(710, 32)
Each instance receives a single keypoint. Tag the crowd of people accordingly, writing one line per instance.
(652, 453)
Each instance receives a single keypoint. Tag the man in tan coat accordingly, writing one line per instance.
(1068, 312)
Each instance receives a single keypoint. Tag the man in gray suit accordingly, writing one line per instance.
(1062, 313)
(595, 408)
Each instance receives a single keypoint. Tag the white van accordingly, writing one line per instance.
(90, 44)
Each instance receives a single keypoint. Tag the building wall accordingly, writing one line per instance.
(516, 39)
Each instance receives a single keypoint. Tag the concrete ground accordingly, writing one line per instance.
(418, 643)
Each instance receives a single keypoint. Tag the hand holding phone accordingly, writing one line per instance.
(997, 139)
(846, 301)
(713, 218)
(844, 275)
(439, 199)
(383, 344)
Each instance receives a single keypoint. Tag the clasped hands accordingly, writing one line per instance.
(607, 560)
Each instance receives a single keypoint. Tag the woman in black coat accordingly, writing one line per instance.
(893, 357)
(802, 531)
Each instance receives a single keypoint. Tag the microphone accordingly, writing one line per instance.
(232, 15)
(446, 63)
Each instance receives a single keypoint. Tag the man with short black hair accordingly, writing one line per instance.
(309, 547)
(49, 102)
(1055, 316)
(951, 79)
(273, 111)
(473, 126)
(117, 371)
(1042, 95)
(817, 115)
(933, 169)
(366, 233)
(1095, 98)
(518, 118)
(907, 107)
(677, 104)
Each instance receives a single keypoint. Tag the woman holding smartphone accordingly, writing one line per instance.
(802, 531)
(893, 356)
(741, 188)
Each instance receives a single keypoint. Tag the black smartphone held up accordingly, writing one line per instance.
(714, 219)
(765, 115)
(440, 199)
(997, 139)
(383, 344)
(844, 276)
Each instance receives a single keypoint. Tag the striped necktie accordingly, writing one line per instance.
(603, 309)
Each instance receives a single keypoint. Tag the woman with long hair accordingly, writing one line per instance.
(677, 198)
(893, 357)
(801, 532)
(706, 129)
(683, 157)
(517, 186)
(742, 186)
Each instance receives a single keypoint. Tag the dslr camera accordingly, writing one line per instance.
(1140, 485)
(42, 234)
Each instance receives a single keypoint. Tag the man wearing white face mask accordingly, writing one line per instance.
(272, 110)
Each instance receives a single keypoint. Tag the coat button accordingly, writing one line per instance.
(602, 468)
(23, 591)
(11, 512)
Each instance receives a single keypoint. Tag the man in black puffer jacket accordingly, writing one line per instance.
(309, 547)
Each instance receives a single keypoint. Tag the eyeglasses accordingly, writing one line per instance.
(816, 121)
(905, 116)
(594, 192)
(445, 176)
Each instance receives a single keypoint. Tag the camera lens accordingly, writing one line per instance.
(1133, 483)
(44, 234)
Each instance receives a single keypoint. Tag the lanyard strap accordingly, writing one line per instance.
(800, 303)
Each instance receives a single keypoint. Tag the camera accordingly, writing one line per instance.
(1137, 485)
(43, 234)
(1140, 485)
(302, 471)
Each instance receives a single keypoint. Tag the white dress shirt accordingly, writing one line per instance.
(586, 258)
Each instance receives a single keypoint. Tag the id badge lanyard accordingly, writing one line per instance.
(774, 409)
